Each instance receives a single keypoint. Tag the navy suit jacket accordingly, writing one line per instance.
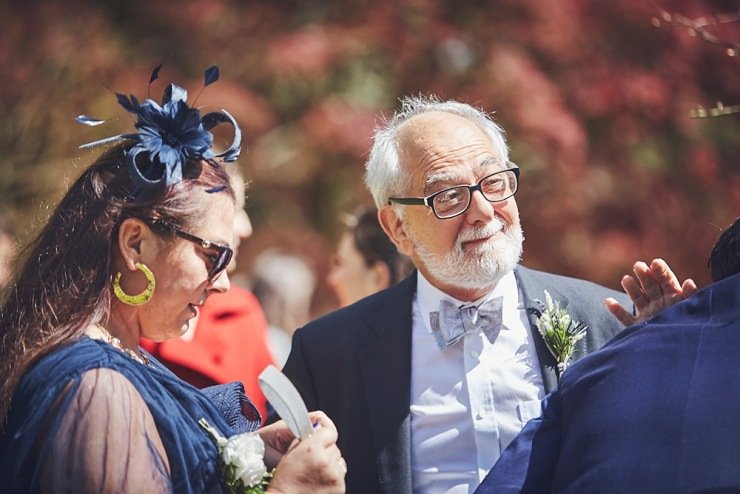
(655, 411)
(355, 365)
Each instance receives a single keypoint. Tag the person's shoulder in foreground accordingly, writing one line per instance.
(653, 411)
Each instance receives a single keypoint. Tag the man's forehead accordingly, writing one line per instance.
(420, 128)
(441, 134)
(444, 147)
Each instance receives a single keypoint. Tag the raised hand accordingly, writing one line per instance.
(652, 289)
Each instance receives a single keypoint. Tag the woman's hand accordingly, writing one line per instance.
(278, 438)
(312, 465)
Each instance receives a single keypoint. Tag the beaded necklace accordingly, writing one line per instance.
(116, 343)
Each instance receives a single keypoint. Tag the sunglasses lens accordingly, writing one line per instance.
(224, 257)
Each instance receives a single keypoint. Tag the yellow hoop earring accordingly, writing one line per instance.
(139, 298)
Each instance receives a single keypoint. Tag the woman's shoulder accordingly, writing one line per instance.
(78, 394)
(74, 358)
(94, 363)
(63, 367)
(92, 380)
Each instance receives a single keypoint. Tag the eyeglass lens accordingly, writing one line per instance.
(455, 200)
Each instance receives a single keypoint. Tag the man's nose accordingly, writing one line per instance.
(480, 209)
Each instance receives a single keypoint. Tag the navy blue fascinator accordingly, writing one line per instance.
(169, 134)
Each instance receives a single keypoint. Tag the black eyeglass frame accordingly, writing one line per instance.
(225, 253)
(428, 201)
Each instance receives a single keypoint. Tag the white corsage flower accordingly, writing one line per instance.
(243, 467)
(560, 332)
(245, 452)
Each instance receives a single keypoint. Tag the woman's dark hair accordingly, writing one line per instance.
(724, 260)
(374, 245)
(64, 282)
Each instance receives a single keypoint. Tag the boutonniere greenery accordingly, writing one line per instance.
(560, 332)
(242, 464)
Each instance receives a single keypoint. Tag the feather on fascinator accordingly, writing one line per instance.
(169, 134)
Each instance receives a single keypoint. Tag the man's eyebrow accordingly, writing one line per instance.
(488, 162)
(445, 176)
(436, 178)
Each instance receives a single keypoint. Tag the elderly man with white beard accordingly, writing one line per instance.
(429, 380)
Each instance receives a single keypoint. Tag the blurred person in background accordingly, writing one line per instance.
(284, 285)
(135, 247)
(228, 339)
(366, 261)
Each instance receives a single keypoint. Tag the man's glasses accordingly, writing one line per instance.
(454, 201)
(220, 261)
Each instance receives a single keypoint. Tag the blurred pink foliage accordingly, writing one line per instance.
(594, 95)
(308, 53)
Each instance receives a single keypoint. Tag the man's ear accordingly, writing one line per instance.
(134, 238)
(394, 227)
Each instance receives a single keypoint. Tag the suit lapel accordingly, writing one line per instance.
(533, 293)
(385, 365)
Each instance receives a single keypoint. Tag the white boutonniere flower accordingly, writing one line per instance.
(560, 332)
(242, 458)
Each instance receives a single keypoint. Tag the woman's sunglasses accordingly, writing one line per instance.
(220, 262)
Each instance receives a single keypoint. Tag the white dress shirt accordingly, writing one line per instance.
(469, 400)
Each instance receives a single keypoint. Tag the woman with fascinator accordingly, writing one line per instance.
(134, 249)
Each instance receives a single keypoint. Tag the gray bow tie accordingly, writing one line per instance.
(451, 323)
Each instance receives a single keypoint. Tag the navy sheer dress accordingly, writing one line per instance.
(88, 418)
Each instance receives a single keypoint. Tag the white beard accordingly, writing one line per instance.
(481, 267)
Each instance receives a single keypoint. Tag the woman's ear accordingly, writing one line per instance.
(134, 238)
(394, 227)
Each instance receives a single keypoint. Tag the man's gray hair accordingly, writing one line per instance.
(383, 175)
